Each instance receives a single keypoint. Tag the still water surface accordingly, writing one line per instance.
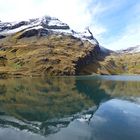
(70, 108)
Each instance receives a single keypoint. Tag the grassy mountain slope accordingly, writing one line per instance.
(51, 55)
(115, 64)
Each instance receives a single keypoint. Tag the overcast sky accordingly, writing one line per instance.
(115, 23)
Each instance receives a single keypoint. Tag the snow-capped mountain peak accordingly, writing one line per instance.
(46, 22)
(47, 25)
(135, 49)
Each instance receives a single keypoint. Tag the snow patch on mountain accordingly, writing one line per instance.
(12, 31)
(56, 22)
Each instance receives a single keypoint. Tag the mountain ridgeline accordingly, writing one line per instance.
(47, 46)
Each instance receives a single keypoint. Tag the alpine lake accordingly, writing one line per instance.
(70, 108)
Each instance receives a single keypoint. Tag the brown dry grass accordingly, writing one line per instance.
(51, 55)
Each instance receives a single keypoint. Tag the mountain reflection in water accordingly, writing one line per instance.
(32, 108)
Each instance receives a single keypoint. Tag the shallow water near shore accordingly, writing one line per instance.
(72, 108)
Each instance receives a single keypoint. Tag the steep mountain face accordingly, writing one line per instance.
(45, 46)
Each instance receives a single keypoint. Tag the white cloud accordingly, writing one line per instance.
(77, 13)
(73, 12)
(128, 38)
